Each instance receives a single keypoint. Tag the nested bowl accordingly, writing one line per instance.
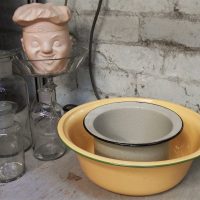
(133, 177)
(137, 131)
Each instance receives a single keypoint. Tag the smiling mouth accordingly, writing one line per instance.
(48, 59)
(48, 62)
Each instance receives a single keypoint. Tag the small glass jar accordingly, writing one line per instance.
(44, 119)
(14, 88)
(12, 164)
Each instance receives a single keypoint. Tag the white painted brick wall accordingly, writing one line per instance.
(83, 5)
(108, 29)
(56, 2)
(78, 96)
(116, 83)
(155, 87)
(130, 58)
(147, 48)
(189, 6)
(192, 95)
(134, 6)
(172, 30)
(140, 6)
(184, 65)
(74, 88)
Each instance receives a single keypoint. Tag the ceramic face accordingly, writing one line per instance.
(41, 47)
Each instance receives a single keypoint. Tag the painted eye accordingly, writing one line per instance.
(35, 44)
(57, 43)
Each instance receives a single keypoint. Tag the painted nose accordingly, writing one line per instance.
(46, 48)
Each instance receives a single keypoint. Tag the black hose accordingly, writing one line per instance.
(66, 1)
(32, 1)
(90, 51)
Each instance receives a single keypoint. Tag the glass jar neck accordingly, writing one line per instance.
(46, 95)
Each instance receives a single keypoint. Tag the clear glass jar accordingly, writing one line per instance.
(13, 88)
(45, 114)
(12, 164)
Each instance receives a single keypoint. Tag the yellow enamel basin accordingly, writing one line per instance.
(131, 177)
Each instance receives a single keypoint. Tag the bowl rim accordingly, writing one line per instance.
(116, 162)
(175, 119)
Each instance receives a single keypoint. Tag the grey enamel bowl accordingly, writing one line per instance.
(136, 131)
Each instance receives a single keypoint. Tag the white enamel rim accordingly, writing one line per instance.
(173, 117)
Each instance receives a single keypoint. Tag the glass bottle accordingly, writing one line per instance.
(13, 88)
(44, 118)
(12, 165)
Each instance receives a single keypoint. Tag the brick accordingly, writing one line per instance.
(192, 95)
(74, 88)
(130, 58)
(115, 75)
(171, 30)
(83, 79)
(66, 80)
(184, 66)
(156, 87)
(189, 7)
(113, 82)
(109, 28)
(78, 96)
(137, 6)
(80, 5)
(134, 6)
(56, 2)
(192, 92)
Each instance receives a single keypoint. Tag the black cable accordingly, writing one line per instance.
(90, 51)
(66, 1)
(32, 1)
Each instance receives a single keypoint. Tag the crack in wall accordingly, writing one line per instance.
(153, 44)
(186, 92)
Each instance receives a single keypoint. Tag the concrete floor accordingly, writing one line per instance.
(63, 179)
